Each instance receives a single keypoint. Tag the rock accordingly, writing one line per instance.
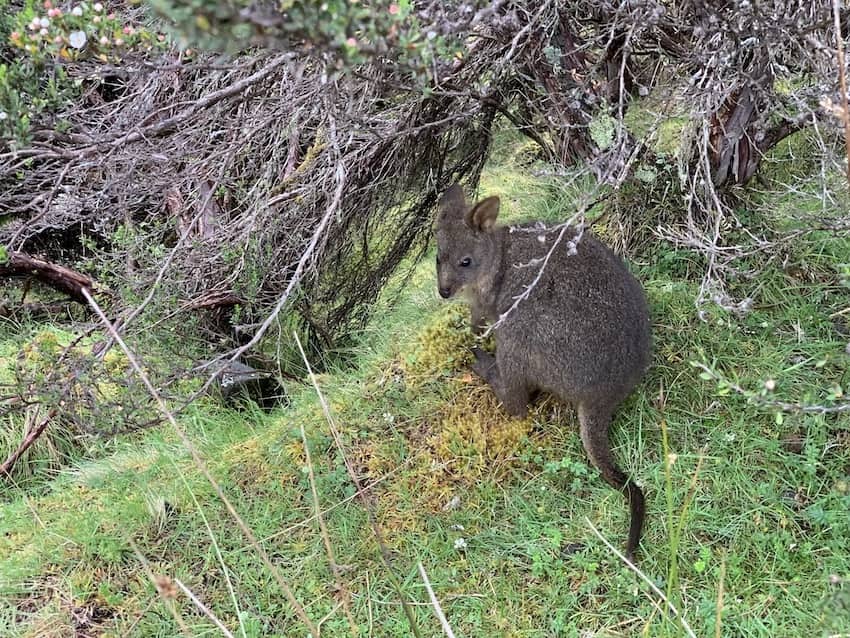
(237, 382)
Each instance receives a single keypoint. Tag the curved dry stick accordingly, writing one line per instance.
(30, 438)
(202, 466)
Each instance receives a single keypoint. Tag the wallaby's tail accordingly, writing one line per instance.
(594, 435)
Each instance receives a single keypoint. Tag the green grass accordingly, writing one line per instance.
(496, 510)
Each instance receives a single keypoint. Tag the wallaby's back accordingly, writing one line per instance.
(583, 331)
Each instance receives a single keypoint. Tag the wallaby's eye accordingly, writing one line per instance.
(465, 262)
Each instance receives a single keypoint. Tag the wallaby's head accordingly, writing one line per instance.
(467, 252)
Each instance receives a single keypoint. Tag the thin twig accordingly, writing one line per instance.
(842, 80)
(369, 605)
(645, 579)
(165, 592)
(195, 107)
(217, 549)
(718, 613)
(373, 520)
(204, 609)
(326, 539)
(447, 629)
(31, 437)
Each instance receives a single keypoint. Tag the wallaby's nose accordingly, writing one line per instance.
(445, 293)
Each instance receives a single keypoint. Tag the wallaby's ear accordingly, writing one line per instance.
(452, 204)
(483, 215)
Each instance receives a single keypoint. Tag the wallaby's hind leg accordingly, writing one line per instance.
(594, 435)
(512, 393)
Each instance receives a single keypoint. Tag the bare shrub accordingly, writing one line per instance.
(236, 187)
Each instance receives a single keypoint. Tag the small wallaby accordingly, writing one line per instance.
(581, 334)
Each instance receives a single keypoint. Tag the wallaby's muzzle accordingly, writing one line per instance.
(446, 283)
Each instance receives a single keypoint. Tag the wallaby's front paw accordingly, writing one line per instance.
(484, 362)
(482, 356)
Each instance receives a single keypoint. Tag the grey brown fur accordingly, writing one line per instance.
(582, 334)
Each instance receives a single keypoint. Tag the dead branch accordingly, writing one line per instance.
(30, 438)
(59, 277)
(36, 310)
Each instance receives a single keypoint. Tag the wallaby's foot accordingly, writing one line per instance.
(485, 364)
(513, 396)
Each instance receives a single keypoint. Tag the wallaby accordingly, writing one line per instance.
(581, 334)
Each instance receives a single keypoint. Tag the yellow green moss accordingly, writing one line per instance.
(441, 347)
(474, 432)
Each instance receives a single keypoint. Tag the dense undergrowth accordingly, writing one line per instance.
(749, 509)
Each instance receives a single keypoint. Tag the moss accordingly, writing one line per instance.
(248, 463)
(442, 347)
(478, 430)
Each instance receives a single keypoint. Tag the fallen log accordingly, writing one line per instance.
(58, 277)
(36, 310)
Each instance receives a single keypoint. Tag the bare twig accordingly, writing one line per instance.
(718, 613)
(842, 80)
(204, 103)
(326, 539)
(644, 578)
(163, 587)
(31, 437)
(203, 608)
(447, 629)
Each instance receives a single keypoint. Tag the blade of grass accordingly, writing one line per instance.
(369, 605)
(373, 520)
(202, 466)
(673, 545)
